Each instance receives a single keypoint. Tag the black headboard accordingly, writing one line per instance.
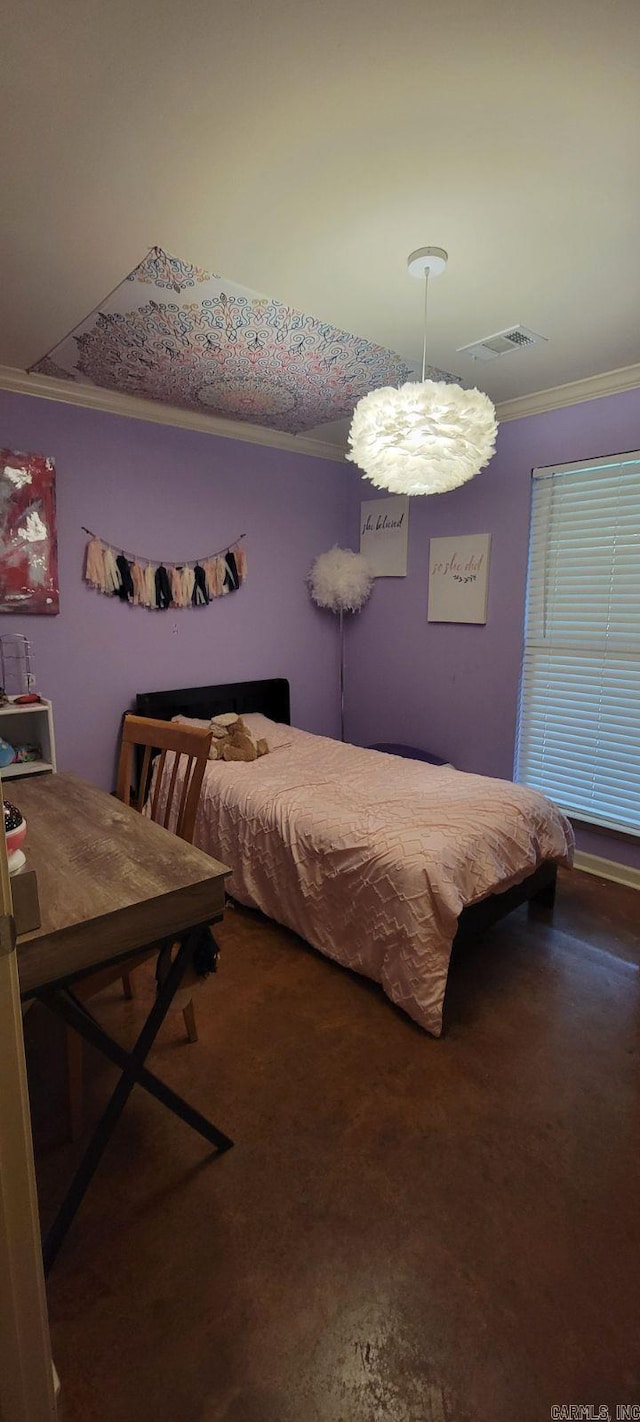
(269, 697)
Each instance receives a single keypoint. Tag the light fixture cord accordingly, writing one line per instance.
(424, 343)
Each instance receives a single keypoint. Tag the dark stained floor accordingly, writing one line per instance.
(406, 1230)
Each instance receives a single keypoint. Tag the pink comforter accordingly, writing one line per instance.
(371, 858)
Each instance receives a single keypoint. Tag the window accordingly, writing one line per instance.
(579, 721)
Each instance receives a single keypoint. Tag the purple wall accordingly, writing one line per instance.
(450, 688)
(176, 494)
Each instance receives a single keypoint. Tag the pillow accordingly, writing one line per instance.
(191, 721)
(273, 732)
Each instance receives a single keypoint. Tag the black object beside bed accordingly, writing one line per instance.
(271, 698)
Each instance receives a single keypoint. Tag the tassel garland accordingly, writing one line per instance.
(94, 566)
(163, 587)
(175, 578)
(199, 595)
(150, 586)
(157, 585)
(137, 574)
(111, 574)
(188, 584)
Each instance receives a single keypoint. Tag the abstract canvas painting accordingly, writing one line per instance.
(173, 333)
(28, 544)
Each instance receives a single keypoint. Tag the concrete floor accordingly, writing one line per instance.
(406, 1230)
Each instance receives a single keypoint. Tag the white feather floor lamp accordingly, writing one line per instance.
(341, 582)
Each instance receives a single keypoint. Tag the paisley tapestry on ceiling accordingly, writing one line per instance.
(173, 333)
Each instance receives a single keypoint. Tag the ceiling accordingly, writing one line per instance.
(304, 149)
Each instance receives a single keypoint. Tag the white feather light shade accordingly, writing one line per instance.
(340, 580)
(424, 438)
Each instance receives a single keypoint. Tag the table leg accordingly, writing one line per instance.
(78, 1016)
(132, 1071)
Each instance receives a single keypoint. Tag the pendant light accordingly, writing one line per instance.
(427, 436)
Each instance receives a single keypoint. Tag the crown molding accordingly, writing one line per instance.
(112, 402)
(611, 382)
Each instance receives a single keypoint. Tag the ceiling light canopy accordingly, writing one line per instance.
(425, 437)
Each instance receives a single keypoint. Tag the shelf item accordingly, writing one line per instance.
(28, 725)
(16, 673)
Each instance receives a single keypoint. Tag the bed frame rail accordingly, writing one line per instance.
(538, 890)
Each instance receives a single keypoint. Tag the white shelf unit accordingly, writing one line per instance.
(28, 725)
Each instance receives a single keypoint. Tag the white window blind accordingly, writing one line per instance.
(579, 720)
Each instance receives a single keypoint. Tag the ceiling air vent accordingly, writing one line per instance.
(513, 339)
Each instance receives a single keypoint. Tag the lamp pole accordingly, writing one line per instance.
(341, 674)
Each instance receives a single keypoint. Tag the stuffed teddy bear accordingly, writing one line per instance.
(232, 740)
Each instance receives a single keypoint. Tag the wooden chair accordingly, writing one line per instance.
(188, 750)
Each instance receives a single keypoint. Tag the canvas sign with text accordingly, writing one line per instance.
(384, 529)
(459, 578)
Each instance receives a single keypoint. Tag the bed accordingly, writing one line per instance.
(382, 864)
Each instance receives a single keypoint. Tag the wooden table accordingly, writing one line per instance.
(111, 883)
